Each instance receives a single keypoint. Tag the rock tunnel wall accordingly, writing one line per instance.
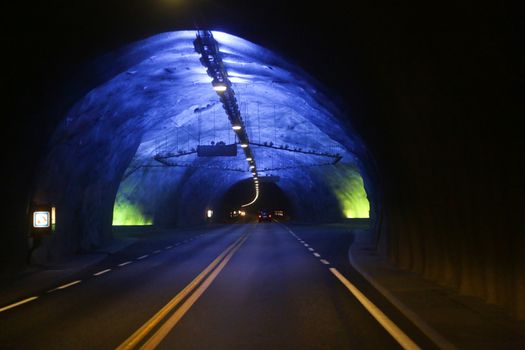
(447, 148)
(156, 100)
(147, 197)
(455, 225)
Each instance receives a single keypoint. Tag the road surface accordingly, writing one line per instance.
(241, 286)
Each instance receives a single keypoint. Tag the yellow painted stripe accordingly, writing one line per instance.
(388, 325)
(161, 333)
(17, 304)
(136, 337)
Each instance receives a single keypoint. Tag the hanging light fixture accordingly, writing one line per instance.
(219, 86)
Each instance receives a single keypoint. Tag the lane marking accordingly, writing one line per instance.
(140, 333)
(171, 322)
(306, 245)
(388, 325)
(311, 249)
(431, 333)
(317, 255)
(125, 263)
(66, 285)
(101, 272)
(25, 301)
(156, 252)
(142, 257)
(423, 327)
(168, 247)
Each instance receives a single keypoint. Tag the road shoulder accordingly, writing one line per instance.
(449, 319)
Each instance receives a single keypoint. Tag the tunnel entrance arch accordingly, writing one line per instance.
(157, 102)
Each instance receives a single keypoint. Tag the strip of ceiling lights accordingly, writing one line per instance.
(211, 58)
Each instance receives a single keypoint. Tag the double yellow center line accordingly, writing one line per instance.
(194, 289)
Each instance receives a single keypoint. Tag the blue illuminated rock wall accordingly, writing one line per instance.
(155, 98)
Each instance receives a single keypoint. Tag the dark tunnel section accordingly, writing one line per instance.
(272, 199)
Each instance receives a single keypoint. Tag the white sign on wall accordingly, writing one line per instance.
(41, 219)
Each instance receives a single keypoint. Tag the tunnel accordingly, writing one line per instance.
(272, 199)
(403, 116)
(142, 135)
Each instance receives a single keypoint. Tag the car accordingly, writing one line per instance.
(264, 215)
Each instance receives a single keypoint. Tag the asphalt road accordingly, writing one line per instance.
(243, 286)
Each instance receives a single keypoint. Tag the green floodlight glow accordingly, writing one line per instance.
(127, 214)
(349, 188)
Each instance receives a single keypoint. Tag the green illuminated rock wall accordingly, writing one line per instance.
(348, 187)
(125, 211)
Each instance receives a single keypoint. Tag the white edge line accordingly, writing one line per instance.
(430, 332)
(17, 303)
(434, 336)
(388, 325)
(101, 272)
(64, 286)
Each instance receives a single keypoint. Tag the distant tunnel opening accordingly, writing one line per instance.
(272, 198)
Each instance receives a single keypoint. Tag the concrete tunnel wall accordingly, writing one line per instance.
(157, 98)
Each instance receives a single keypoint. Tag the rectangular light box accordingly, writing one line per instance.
(41, 219)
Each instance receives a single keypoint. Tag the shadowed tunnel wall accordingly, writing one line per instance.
(448, 147)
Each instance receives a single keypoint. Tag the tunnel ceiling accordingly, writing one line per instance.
(156, 99)
(278, 103)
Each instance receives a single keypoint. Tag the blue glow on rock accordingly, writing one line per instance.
(154, 96)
